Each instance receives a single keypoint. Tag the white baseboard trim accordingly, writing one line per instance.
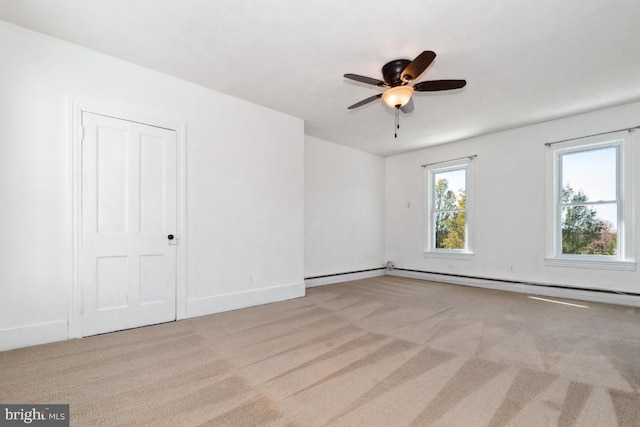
(28, 335)
(576, 294)
(346, 277)
(236, 300)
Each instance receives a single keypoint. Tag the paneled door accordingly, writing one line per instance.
(129, 218)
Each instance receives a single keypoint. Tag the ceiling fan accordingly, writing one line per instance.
(397, 74)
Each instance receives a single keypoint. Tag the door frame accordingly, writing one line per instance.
(75, 111)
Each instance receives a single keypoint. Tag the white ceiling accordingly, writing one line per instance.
(524, 61)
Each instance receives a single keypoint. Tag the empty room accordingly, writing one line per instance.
(281, 213)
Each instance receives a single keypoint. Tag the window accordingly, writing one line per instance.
(590, 220)
(448, 209)
(589, 201)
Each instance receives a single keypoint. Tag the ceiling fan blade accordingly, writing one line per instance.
(408, 107)
(417, 66)
(365, 101)
(364, 79)
(436, 85)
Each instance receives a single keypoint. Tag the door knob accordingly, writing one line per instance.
(170, 237)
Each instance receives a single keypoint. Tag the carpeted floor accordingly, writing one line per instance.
(376, 352)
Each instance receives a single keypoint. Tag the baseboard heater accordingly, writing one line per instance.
(518, 282)
(345, 273)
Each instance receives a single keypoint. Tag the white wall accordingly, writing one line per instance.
(344, 209)
(510, 201)
(244, 183)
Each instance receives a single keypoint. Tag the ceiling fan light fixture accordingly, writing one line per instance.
(397, 96)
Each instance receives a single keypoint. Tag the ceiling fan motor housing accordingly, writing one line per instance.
(392, 72)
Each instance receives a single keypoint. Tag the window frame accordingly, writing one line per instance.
(429, 246)
(624, 258)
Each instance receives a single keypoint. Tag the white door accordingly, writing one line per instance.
(129, 220)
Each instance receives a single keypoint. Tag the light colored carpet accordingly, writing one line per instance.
(376, 352)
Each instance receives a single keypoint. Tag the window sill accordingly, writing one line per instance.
(448, 255)
(587, 263)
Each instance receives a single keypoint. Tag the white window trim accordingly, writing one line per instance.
(429, 250)
(625, 259)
